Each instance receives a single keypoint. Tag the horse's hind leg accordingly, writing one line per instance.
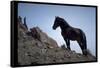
(83, 47)
(68, 43)
(80, 44)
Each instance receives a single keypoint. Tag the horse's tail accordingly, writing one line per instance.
(84, 41)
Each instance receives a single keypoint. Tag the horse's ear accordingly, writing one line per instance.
(56, 16)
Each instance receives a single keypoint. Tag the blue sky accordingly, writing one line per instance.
(43, 16)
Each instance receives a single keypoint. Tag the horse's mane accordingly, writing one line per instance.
(64, 21)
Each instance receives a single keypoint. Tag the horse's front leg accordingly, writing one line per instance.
(67, 43)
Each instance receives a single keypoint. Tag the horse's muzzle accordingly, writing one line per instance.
(54, 27)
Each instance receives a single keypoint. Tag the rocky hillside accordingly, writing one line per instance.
(36, 47)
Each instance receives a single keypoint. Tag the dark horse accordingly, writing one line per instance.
(70, 33)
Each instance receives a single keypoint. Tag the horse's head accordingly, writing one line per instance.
(56, 22)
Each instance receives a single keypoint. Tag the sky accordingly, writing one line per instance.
(43, 16)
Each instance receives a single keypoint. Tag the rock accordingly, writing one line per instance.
(21, 25)
(37, 33)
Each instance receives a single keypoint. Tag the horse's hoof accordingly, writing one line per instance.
(85, 52)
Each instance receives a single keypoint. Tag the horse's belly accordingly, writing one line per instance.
(73, 39)
(70, 35)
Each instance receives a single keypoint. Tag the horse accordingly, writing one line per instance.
(70, 33)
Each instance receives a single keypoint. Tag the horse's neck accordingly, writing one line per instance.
(64, 26)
